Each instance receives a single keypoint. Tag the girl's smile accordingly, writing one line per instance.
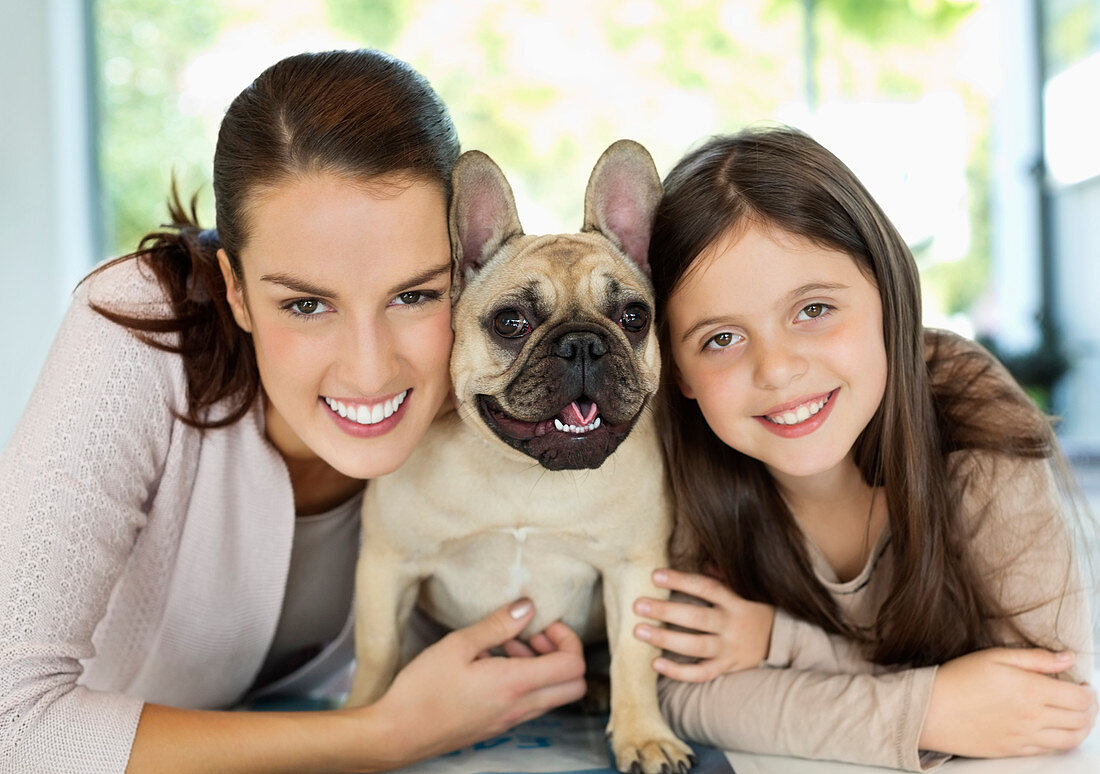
(800, 417)
(780, 342)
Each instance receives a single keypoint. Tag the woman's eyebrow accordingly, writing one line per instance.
(297, 285)
(305, 287)
(425, 276)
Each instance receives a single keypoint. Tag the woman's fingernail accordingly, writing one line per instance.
(660, 576)
(660, 664)
(643, 633)
(520, 608)
(1064, 657)
(642, 607)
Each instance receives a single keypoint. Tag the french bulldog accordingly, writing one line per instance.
(548, 481)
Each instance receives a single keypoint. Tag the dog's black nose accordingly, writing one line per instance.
(580, 344)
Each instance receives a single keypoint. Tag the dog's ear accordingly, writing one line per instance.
(622, 197)
(483, 212)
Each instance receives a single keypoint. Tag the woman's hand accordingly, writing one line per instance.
(454, 693)
(1004, 702)
(732, 634)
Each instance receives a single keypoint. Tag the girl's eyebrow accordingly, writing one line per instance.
(802, 290)
(305, 287)
(814, 287)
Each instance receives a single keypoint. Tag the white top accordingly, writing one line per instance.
(140, 559)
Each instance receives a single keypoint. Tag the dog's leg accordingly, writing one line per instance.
(384, 597)
(640, 738)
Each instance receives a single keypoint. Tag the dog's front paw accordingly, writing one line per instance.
(653, 751)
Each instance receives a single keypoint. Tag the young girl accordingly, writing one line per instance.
(870, 508)
(178, 527)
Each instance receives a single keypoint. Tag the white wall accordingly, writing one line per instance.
(46, 241)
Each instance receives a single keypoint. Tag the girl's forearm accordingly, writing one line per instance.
(178, 741)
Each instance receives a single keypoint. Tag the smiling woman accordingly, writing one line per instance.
(190, 542)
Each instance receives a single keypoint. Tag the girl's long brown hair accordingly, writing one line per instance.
(359, 114)
(938, 399)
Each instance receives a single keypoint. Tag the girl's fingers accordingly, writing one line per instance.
(701, 619)
(1058, 739)
(1069, 696)
(684, 643)
(688, 673)
(701, 586)
(1036, 659)
(1066, 720)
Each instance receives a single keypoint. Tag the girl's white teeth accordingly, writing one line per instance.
(368, 415)
(800, 414)
(574, 429)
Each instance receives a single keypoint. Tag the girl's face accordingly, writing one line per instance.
(780, 342)
(345, 291)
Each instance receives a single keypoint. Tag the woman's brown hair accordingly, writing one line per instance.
(938, 399)
(358, 114)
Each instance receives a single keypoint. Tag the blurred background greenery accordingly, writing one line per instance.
(543, 87)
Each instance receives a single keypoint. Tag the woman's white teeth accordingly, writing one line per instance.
(800, 414)
(368, 415)
(574, 429)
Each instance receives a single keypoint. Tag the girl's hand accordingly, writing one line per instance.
(1004, 702)
(454, 693)
(732, 634)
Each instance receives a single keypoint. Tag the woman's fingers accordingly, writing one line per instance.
(517, 649)
(701, 619)
(684, 643)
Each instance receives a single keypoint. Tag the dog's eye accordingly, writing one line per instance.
(511, 324)
(634, 318)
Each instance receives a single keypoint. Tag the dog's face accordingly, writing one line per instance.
(555, 354)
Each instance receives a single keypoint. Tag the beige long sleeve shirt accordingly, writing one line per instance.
(816, 696)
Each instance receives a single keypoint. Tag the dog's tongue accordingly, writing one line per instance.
(579, 413)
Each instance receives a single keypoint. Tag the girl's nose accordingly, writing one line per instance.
(778, 365)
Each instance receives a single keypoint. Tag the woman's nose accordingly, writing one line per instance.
(370, 357)
(778, 364)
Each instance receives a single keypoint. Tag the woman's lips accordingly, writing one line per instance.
(377, 418)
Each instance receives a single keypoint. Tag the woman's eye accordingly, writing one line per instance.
(409, 298)
(307, 307)
(813, 311)
(634, 318)
(511, 324)
(722, 340)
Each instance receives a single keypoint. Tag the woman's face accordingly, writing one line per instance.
(345, 290)
(780, 343)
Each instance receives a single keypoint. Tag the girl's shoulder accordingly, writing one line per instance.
(978, 404)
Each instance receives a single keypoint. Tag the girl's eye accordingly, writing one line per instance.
(307, 307)
(813, 312)
(722, 340)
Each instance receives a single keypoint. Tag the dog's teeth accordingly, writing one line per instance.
(596, 423)
(559, 425)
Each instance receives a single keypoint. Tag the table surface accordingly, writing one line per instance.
(565, 743)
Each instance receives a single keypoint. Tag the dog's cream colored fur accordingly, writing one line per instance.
(469, 523)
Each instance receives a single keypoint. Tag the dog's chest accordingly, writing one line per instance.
(472, 575)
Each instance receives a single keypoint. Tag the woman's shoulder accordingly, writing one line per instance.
(126, 285)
